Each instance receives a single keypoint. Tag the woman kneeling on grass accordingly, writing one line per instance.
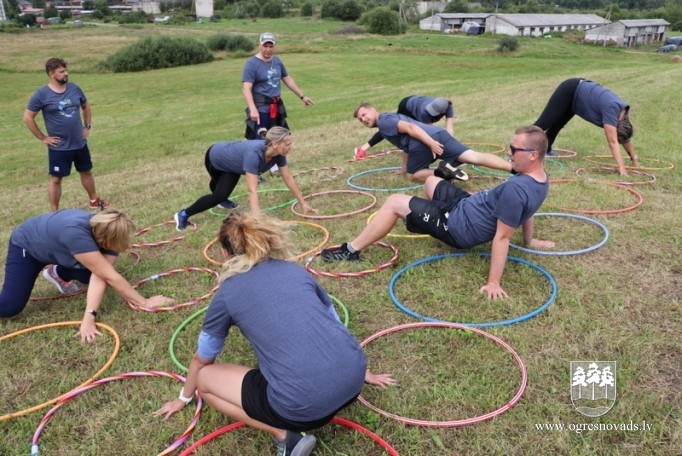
(74, 245)
(309, 365)
(226, 161)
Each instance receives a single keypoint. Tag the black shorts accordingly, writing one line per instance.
(431, 216)
(255, 404)
(59, 161)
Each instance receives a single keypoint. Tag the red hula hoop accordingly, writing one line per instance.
(336, 420)
(353, 274)
(176, 306)
(453, 423)
(168, 241)
(640, 198)
(338, 170)
(345, 214)
(633, 171)
(77, 392)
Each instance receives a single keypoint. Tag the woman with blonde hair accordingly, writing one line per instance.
(227, 161)
(75, 245)
(309, 365)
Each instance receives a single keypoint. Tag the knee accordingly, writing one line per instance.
(56, 180)
(412, 177)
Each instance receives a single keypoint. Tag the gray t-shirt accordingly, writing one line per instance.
(474, 220)
(61, 112)
(312, 363)
(416, 105)
(242, 157)
(55, 238)
(597, 104)
(266, 77)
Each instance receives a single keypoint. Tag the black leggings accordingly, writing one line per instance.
(222, 184)
(559, 110)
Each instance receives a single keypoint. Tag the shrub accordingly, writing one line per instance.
(138, 17)
(507, 44)
(349, 30)
(349, 10)
(273, 8)
(384, 21)
(330, 8)
(152, 52)
(224, 42)
(307, 9)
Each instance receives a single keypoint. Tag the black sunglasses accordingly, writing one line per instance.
(519, 149)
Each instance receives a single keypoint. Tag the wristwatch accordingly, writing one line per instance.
(92, 312)
(88, 126)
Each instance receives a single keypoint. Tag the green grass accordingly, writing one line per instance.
(150, 132)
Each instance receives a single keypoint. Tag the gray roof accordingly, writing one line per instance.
(643, 22)
(540, 20)
(463, 15)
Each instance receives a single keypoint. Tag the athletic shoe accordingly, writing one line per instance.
(262, 132)
(181, 221)
(359, 154)
(228, 204)
(448, 172)
(50, 273)
(551, 152)
(261, 180)
(98, 203)
(340, 253)
(304, 447)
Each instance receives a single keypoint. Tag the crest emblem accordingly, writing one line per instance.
(593, 386)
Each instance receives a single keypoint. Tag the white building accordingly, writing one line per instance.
(629, 32)
(204, 8)
(540, 24)
(451, 22)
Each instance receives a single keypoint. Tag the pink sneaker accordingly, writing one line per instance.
(50, 273)
(359, 154)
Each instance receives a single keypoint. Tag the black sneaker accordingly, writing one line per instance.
(261, 180)
(448, 172)
(228, 204)
(340, 253)
(304, 447)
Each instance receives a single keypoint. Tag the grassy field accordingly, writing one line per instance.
(150, 131)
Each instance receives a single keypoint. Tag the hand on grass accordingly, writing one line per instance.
(158, 301)
(540, 244)
(493, 291)
(380, 380)
(170, 408)
(89, 330)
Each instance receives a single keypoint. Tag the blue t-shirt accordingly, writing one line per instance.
(312, 363)
(597, 104)
(416, 106)
(388, 127)
(61, 112)
(55, 238)
(474, 220)
(242, 157)
(266, 78)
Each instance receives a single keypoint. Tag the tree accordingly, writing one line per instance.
(384, 21)
(457, 6)
(307, 9)
(349, 10)
(273, 8)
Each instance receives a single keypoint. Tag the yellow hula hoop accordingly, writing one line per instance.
(117, 346)
(408, 236)
(599, 160)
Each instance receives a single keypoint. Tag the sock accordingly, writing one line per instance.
(350, 248)
(94, 201)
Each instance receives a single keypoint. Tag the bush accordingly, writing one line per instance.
(349, 30)
(273, 8)
(330, 8)
(349, 10)
(676, 26)
(153, 52)
(138, 17)
(507, 44)
(224, 42)
(384, 21)
(307, 9)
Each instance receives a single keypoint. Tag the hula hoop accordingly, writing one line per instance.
(608, 168)
(117, 346)
(567, 252)
(193, 227)
(407, 236)
(503, 174)
(383, 153)
(529, 315)
(498, 147)
(78, 391)
(353, 274)
(191, 318)
(349, 181)
(566, 153)
(176, 306)
(345, 214)
(599, 159)
(336, 420)
(640, 198)
(212, 210)
(453, 423)
(338, 170)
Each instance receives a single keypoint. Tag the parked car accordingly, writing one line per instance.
(668, 48)
(676, 40)
(162, 19)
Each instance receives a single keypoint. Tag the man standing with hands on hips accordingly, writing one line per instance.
(66, 138)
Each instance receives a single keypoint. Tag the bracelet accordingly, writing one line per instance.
(184, 399)
(302, 96)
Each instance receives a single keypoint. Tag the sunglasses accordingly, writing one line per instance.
(519, 149)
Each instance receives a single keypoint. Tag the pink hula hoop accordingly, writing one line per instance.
(452, 423)
(338, 170)
(566, 153)
(345, 214)
(77, 392)
(640, 198)
(176, 306)
(168, 241)
(383, 153)
(652, 179)
(336, 420)
(353, 274)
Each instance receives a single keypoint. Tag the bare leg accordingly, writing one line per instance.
(421, 175)
(395, 207)
(221, 386)
(88, 183)
(54, 192)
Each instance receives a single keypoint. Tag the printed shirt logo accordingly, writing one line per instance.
(593, 386)
(273, 77)
(66, 108)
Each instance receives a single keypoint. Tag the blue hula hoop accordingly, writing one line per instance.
(390, 168)
(502, 174)
(511, 321)
(568, 252)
